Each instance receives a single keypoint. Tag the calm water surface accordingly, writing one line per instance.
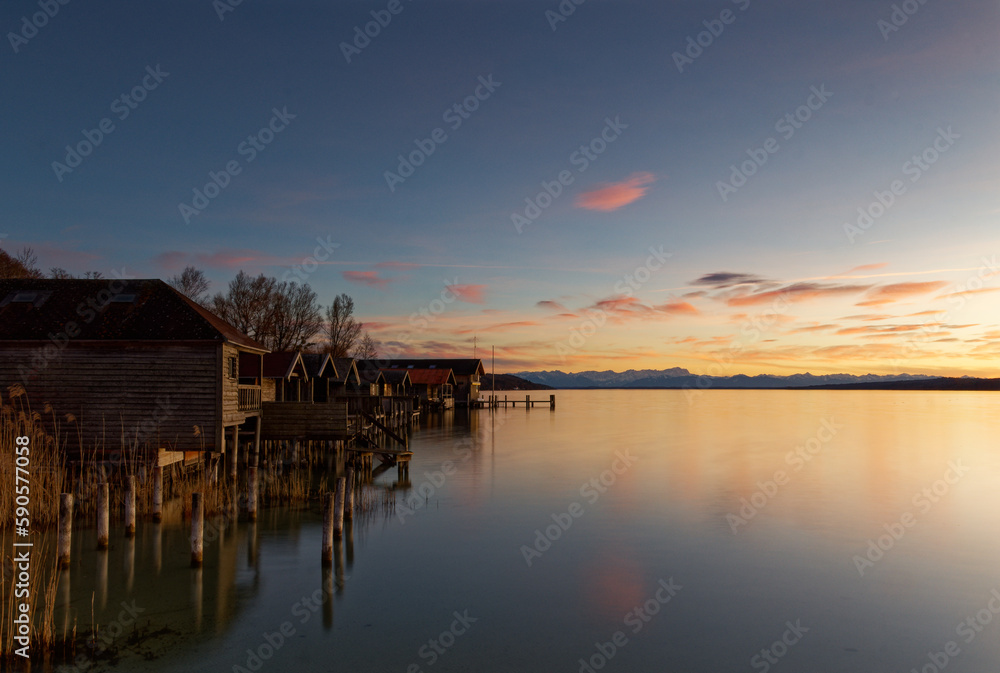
(731, 520)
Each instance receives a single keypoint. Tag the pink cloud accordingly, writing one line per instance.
(887, 294)
(869, 267)
(369, 278)
(794, 293)
(232, 259)
(677, 307)
(170, 261)
(472, 294)
(616, 195)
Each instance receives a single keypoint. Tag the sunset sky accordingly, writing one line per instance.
(701, 167)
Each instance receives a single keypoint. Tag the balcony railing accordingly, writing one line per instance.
(249, 398)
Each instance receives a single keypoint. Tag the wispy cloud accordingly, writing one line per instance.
(369, 278)
(472, 294)
(170, 261)
(887, 294)
(551, 306)
(796, 292)
(616, 195)
(724, 279)
(869, 267)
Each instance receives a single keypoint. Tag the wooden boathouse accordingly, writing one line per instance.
(126, 365)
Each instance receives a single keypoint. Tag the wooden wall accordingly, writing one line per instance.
(304, 420)
(231, 415)
(155, 395)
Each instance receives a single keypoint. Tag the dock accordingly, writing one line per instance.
(494, 402)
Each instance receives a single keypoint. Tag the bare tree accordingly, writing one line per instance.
(295, 318)
(281, 316)
(342, 329)
(367, 348)
(192, 284)
(24, 265)
(247, 305)
(59, 273)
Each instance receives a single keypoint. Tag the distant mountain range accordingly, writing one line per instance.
(508, 382)
(678, 377)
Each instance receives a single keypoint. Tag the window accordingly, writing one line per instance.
(234, 368)
(25, 297)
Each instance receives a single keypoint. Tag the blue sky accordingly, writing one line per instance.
(905, 304)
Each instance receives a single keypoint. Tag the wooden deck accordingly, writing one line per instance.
(528, 403)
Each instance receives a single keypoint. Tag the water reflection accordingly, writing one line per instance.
(489, 484)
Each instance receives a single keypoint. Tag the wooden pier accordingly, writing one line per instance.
(494, 401)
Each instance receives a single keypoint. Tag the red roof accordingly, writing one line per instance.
(431, 377)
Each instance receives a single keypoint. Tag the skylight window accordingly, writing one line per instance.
(25, 297)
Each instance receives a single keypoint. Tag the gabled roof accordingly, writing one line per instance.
(431, 377)
(397, 377)
(108, 310)
(319, 365)
(371, 376)
(461, 367)
(276, 365)
(347, 371)
(284, 365)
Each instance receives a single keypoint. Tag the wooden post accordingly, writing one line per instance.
(103, 507)
(157, 494)
(65, 529)
(197, 529)
(256, 443)
(234, 451)
(130, 506)
(338, 509)
(349, 495)
(328, 514)
(552, 401)
(527, 402)
(252, 494)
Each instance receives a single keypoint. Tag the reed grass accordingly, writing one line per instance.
(279, 483)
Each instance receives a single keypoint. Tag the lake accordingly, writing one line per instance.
(624, 531)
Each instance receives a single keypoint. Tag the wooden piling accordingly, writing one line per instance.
(527, 402)
(65, 529)
(130, 506)
(338, 509)
(233, 452)
(552, 401)
(103, 515)
(197, 529)
(328, 514)
(349, 496)
(252, 493)
(157, 494)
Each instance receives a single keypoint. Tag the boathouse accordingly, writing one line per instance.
(435, 387)
(468, 373)
(127, 367)
(284, 376)
(322, 375)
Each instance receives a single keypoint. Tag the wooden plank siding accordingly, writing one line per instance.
(124, 393)
(304, 420)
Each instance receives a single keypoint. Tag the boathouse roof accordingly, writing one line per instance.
(283, 365)
(108, 310)
(346, 370)
(319, 365)
(461, 367)
(431, 377)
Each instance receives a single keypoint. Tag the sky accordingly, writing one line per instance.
(729, 187)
